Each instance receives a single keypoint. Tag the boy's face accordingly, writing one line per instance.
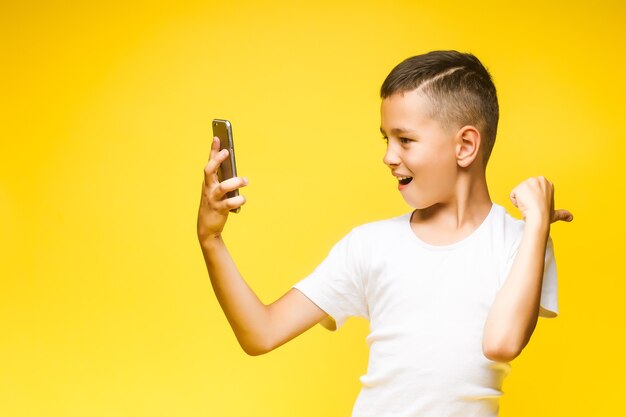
(420, 152)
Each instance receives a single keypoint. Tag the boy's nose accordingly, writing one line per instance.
(390, 158)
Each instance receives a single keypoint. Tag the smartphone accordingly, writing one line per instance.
(223, 129)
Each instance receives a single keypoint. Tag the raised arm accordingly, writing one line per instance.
(513, 316)
(259, 328)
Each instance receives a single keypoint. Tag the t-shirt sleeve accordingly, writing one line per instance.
(548, 305)
(336, 285)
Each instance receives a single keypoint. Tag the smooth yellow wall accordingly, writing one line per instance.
(105, 305)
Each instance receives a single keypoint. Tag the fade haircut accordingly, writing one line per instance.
(458, 86)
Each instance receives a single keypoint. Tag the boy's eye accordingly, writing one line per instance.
(404, 140)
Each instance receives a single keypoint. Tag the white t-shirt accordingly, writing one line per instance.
(427, 307)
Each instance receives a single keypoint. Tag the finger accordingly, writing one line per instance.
(210, 169)
(232, 203)
(229, 185)
(562, 215)
(215, 147)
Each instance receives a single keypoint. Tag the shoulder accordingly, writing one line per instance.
(382, 229)
(505, 220)
(505, 228)
(372, 243)
(376, 235)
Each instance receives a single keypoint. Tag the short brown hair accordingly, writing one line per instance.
(457, 84)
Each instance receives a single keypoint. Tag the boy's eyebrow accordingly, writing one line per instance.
(396, 130)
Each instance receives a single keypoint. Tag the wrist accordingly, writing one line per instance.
(210, 240)
(537, 216)
(539, 225)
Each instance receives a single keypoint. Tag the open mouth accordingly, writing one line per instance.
(405, 180)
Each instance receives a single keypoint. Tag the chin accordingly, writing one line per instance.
(417, 202)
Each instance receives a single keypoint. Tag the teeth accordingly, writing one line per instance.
(403, 178)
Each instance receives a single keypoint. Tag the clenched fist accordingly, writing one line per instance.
(535, 199)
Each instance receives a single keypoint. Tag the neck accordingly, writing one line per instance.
(468, 204)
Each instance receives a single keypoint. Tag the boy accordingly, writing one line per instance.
(452, 290)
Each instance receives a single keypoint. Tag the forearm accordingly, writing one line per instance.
(247, 315)
(514, 313)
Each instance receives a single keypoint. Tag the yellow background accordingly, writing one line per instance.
(105, 305)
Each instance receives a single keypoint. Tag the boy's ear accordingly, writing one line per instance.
(467, 148)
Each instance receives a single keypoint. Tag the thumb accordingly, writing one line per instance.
(562, 215)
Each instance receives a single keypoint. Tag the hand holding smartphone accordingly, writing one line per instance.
(228, 169)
